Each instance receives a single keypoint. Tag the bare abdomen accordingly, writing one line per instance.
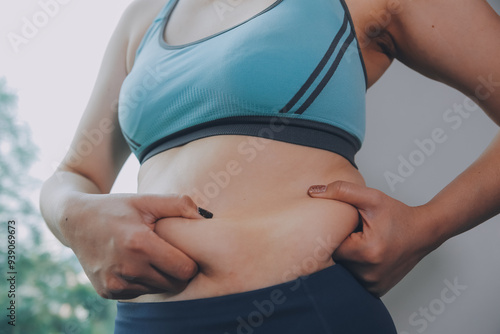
(236, 255)
(266, 229)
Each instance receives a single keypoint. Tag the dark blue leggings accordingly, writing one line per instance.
(328, 301)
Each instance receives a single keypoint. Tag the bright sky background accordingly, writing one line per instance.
(54, 73)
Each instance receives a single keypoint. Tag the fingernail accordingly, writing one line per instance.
(204, 213)
(317, 189)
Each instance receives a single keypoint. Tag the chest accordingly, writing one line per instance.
(294, 58)
(263, 53)
(193, 20)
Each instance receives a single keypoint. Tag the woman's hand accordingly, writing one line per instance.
(393, 240)
(113, 237)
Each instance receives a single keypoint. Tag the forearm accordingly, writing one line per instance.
(60, 195)
(469, 200)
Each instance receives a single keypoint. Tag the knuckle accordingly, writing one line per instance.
(111, 287)
(340, 188)
(375, 255)
(135, 242)
(115, 285)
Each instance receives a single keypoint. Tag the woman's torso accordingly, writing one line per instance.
(266, 229)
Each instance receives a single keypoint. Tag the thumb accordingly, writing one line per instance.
(163, 206)
(357, 195)
(169, 260)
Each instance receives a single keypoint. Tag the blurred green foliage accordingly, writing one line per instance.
(51, 296)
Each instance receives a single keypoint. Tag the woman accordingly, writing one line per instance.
(239, 107)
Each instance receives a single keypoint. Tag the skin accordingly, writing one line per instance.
(395, 236)
(266, 225)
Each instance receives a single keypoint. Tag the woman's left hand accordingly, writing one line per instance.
(395, 237)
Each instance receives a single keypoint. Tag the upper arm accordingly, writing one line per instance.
(98, 150)
(456, 42)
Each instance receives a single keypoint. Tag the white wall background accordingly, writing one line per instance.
(54, 73)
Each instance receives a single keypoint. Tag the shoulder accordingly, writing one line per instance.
(135, 21)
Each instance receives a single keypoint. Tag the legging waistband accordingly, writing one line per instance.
(326, 302)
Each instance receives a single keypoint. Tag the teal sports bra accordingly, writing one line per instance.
(292, 73)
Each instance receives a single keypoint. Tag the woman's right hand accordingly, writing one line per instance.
(113, 237)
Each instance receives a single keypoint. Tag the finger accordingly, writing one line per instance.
(114, 286)
(135, 290)
(350, 250)
(153, 281)
(130, 290)
(348, 192)
(156, 281)
(162, 206)
(169, 260)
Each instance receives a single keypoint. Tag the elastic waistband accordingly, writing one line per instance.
(328, 301)
(227, 303)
